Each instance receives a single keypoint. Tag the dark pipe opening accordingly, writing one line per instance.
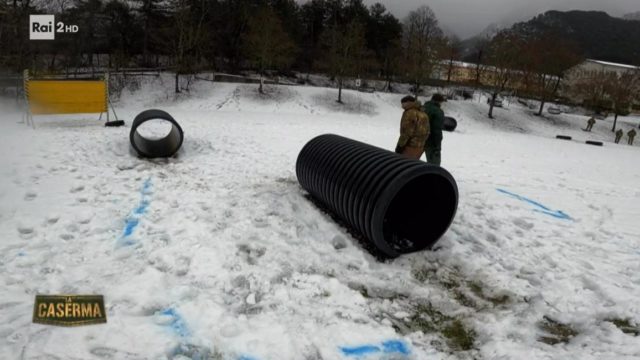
(420, 213)
(165, 146)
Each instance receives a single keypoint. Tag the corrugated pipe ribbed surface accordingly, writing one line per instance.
(399, 205)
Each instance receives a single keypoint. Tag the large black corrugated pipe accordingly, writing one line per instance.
(399, 205)
(155, 148)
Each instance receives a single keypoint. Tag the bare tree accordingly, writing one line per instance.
(151, 15)
(346, 53)
(590, 87)
(451, 51)
(186, 36)
(550, 58)
(480, 50)
(54, 6)
(266, 43)
(504, 54)
(421, 40)
(622, 89)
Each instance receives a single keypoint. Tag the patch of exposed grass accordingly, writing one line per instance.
(467, 293)
(625, 326)
(216, 355)
(557, 331)
(365, 293)
(478, 290)
(423, 274)
(464, 299)
(450, 282)
(459, 336)
(428, 319)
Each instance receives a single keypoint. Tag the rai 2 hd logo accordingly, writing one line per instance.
(44, 27)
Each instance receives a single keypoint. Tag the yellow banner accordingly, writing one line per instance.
(67, 96)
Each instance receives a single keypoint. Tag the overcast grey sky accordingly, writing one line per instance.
(466, 18)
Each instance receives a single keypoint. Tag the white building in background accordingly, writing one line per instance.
(590, 68)
(590, 65)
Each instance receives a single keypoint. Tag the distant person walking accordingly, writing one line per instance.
(631, 134)
(590, 123)
(414, 129)
(433, 146)
(619, 134)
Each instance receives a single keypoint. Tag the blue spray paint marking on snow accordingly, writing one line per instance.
(388, 347)
(178, 326)
(130, 226)
(545, 210)
(395, 346)
(177, 323)
(133, 220)
(360, 350)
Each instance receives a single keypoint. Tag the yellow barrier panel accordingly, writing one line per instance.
(67, 96)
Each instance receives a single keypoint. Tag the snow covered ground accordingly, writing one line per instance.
(217, 254)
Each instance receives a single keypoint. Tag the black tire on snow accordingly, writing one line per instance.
(450, 124)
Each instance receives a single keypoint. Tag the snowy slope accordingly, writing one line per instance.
(217, 254)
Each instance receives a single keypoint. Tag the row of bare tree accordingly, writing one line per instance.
(342, 38)
(545, 66)
(607, 91)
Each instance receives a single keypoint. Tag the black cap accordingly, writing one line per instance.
(438, 98)
(408, 98)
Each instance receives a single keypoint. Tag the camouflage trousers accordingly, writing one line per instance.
(412, 152)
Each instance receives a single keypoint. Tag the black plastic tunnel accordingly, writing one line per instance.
(166, 146)
(397, 204)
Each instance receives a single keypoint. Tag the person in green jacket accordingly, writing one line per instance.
(619, 134)
(433, 145)
(590, 123)
(631, 134)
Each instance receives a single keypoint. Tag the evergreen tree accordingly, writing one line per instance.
(421, 42)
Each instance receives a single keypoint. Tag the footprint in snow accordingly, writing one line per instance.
(72, 228)
(110, 353)
(25, 229)
(182, 266)
(523, 224)
(260, 223)
(76, 189)
(52, 219)
(30, 196)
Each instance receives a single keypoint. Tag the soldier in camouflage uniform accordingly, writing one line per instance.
(631, 134)
(414, 129)
(590, 123)
(619, 134)
(433, 146)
